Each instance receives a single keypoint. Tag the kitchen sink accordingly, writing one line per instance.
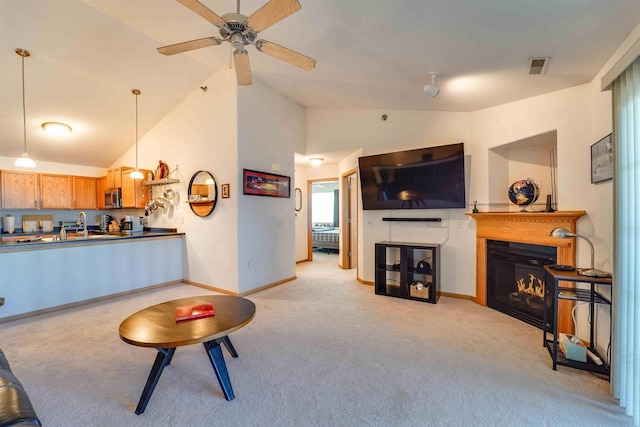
(73, 236)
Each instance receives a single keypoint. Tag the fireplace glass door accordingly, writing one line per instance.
(516, 279)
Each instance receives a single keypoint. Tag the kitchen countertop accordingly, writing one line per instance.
(93, 239)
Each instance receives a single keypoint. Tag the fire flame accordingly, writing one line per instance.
(531, 288)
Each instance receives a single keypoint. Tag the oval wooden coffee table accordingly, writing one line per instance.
(156, 327)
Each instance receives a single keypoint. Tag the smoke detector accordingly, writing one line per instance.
(538, 65)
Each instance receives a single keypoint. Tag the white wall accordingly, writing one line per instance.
(6, 163)
(363, 129)
(575, 115)
(270, 128)
(199, 134)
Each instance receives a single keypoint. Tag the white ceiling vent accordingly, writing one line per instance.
(538, 65)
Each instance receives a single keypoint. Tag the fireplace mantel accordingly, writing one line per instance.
(525, 227)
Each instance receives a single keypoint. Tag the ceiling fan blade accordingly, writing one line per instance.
(203, 11)
(187, 46)
(243, 68)
(272, 12)
(286, 55)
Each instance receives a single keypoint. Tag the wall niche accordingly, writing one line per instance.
(526, 158)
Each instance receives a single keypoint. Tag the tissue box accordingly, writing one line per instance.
(573, 351)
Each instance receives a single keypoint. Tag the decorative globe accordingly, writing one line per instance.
(523, 193)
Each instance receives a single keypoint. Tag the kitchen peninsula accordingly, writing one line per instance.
(42, 276)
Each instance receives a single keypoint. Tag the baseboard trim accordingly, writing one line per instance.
(239, 294)
(442, 294)
(87, 301)
(458, 296)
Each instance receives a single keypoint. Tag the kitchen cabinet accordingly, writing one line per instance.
(103, 184)
(55, 191)
(85, 192)
(19, 190)
(114, 178)
(134, 193)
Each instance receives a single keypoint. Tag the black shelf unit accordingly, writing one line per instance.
(408, 270)
(591, 296)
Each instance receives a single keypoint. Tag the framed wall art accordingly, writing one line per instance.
(265, 184)
(602, 160)
(225, 191)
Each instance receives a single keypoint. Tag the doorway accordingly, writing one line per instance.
(324, 216)
(349, 237)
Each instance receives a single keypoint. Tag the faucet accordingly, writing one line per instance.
(82, 219)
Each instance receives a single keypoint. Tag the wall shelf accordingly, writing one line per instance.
(162, 181)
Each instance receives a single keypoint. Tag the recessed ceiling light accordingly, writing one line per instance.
(56, 128)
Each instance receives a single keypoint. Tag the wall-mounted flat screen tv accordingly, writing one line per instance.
(424, 178)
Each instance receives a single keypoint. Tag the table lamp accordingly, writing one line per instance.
(563, 233)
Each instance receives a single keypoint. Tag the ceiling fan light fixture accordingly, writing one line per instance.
(241, 31)
(25, 161)
(56, 128)
(430, 88)
(136, 174)
(316, 161)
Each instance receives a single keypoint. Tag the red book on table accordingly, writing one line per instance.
(194, 311)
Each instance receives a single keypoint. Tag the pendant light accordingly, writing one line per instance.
(136, 174)
(24, 161)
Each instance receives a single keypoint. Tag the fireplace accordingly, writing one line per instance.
(531, 228)
(515, 279)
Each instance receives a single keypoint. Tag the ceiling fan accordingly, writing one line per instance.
(241, 31)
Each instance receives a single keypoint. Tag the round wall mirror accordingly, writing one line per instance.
(203, 193)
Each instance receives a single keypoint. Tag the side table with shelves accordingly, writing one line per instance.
(592, 296)
(408, 270)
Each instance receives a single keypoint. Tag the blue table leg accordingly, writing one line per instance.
(219, 367)
(163, 358)
(227, 343)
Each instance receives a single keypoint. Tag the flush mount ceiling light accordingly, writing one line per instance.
(136, 174)
(316, 161)
(430, 88)
(56, 128)
(24, 161)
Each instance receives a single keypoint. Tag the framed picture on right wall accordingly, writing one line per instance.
(602, 160)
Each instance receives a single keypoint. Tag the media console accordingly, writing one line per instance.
(408, 270)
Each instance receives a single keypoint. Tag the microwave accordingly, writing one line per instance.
(113, 198)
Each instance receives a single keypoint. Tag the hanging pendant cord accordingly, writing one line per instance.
(24, 110)
(136, 92)
(136, 131)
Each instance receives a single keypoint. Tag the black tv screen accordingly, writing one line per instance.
(425, 178)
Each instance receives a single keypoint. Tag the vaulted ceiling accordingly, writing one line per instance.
(87, 55)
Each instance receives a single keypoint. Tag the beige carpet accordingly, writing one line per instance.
(321, 351)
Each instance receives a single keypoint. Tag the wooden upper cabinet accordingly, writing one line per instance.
(134, 194)
(103, 185)
(85, 192)
(19, 190)
(114, 178)
(55, 191)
